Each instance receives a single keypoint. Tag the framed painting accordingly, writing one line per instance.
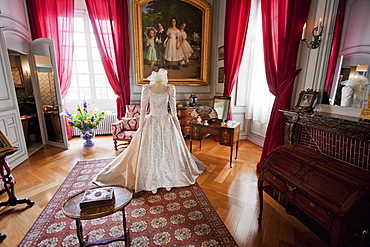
(306, 100)
(221, 75)
(17, 77)
(173, 35)
(220, 53)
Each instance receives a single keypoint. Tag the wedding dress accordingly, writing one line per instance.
(157, 156)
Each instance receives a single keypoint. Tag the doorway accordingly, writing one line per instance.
(26, 101)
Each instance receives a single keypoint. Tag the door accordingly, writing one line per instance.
(47, 93)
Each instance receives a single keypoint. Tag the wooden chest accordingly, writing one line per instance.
(334, 194)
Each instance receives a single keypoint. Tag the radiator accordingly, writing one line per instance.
(103, 129)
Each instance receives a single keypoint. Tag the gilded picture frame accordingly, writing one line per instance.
(221, 75)
(220, 53)
(306, 100)
(17, 77)
(193, 69)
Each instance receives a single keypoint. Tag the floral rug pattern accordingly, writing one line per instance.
(179, 217)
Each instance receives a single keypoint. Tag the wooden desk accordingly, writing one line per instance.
(228, 135)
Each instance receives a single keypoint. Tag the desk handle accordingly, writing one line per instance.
(290, 188)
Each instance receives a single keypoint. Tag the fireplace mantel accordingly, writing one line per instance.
(340, 136)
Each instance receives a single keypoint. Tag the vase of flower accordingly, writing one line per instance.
(88, 135)
(86, 120)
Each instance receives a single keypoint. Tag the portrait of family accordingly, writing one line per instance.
(172, 38)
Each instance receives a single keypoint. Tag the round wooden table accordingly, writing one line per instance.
(71, 208)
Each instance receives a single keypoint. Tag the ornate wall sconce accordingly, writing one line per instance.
(316, 34)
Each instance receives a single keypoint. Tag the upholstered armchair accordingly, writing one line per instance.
(124, 129)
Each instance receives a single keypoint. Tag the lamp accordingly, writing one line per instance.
(27, 71)
(316, 34)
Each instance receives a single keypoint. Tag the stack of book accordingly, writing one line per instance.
(97, 197)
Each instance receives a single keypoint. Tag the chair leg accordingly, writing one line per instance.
(2, 237)
(115, 145)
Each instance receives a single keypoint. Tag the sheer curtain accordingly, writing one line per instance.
(109, 19)
(252, 76)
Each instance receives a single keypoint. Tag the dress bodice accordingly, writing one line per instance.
(172, 34)
(158, 104)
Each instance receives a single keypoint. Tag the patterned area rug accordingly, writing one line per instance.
(180, 217)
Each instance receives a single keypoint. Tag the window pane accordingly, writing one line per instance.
(74, 82)
(101, 81)
(85, 93)
(101, 93)
(80, 53)
(79, 39)
(95, 54)
(82, 67)
(111, 94)
(83, 80)
(93, 41)
(78, 24)
(73, 93)
(98, 68)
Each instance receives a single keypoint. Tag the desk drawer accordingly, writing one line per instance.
(184, 112)
(185, 121)
(319, 213)
(185, 130)
(274, 181)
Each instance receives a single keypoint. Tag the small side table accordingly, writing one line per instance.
(71, 208)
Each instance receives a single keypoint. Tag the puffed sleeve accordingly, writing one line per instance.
(144, 104)
(172, 101)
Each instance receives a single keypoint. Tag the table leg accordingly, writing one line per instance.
(231, 156)
(260, 193)
(237, 147)
(200, 144)
(125, 229)
(191, 146)
(79, 232)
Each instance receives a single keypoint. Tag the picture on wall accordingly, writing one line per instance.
(174, 35)
(17, 77)
(221, 75)
(221, 53)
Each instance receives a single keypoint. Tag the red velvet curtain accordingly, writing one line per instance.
(54, 20)
(236, 25)
(109, 19)
(282, 22)
(335, 46)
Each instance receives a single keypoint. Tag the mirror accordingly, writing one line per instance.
(354, 58)
(49, 98)
(221, 105)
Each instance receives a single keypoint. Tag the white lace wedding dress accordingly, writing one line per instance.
(157, 156)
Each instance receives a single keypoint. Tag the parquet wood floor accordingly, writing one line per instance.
(231, 191)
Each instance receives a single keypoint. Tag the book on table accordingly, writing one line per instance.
(97, 197)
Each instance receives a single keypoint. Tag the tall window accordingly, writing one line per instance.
(89, 81)
(252, 78)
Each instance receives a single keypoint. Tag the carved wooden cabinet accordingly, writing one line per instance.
(185, 117)
(334, 194)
